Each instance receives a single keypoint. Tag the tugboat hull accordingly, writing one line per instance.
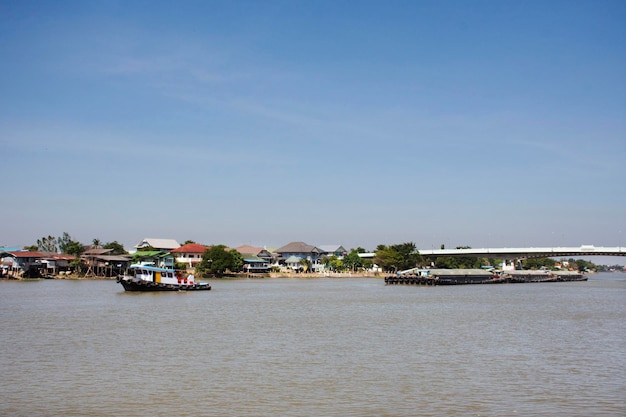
(130, 284)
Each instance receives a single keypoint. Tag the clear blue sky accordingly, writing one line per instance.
(480, 123)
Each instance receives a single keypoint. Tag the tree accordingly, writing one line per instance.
(410, 255)
(336, 264)
(96, 243)
(353, 261)
(237, 260)
(47, 244)
(538, 263)
(118, 248)
(69, 246)
(325, 260)
(64, 241)
(306, 264)
(397, 257)
(460, 262)
(368, 264)
(445, 262)
(217, 260)
(387, 258)
(583, 265)
(73, 248)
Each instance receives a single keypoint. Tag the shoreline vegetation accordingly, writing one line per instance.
(65, 258)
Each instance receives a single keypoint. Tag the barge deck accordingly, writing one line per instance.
(477, 276)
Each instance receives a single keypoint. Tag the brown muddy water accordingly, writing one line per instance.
(314, 347)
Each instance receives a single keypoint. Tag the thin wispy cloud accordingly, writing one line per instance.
(424, 108)
(76, 140)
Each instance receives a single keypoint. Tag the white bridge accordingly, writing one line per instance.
(525, 253)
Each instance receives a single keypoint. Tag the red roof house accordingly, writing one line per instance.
(190, 254)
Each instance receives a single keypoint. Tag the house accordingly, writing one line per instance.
(22, 263)
(292, 253)
(370, 256)
(31, 264)
(333, 250)
(294, 263)
(58, 262)
(262, 253)
(255, 259)
(252, 264)
(189, 254)
(165, 245)
(158, 258)
(248, 249)
(100, 262)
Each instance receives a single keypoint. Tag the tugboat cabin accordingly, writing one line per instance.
(158, 275)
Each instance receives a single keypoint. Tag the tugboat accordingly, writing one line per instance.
(152, 278)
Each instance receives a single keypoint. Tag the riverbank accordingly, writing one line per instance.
(228, 276)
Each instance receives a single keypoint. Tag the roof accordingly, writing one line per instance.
(25, 254)
(114, 258)
(40, 255)
(293, 260)
(150, 268)
(191, 248)
(10, 248)
(243, 249)
(148, 253)
(332, 248)
(248, 257)
(60, 257)
(96, 251)
(158, 243)
(298, 247)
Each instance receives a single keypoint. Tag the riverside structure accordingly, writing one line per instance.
(511, 255)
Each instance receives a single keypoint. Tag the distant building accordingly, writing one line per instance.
(163, 259)
(255, 259)
(333, 250)
(100, 262)
(189, 254)
(263, 253)
(34, 264)
(165, 245)
(292, 253)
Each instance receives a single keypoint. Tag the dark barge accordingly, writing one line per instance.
(478, 276)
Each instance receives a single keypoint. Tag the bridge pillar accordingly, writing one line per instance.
(508, 264)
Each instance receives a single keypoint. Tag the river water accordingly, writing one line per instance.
(314, 347)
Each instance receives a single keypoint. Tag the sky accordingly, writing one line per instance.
(359, 123)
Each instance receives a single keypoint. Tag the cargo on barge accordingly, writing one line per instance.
(479, 276)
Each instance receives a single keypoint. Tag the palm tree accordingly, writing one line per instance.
(306, 264)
